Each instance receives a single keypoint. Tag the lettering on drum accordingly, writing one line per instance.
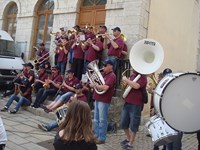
(150, 43)
(161, 86)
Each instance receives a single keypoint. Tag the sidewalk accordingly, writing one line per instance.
(23, 134)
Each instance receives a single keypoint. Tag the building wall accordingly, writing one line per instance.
(130, 15)
(175, 25)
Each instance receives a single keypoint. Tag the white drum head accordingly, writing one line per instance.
(180, 103)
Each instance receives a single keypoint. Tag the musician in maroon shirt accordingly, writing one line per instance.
(131, 113)
(42, 55)
(103, 100)
(40, 78)
(94, 49)
(50, 87)
(62, 52)
(115, 45)
(78, 60)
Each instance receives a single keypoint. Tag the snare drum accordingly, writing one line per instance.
(160, 132)
(177, 100)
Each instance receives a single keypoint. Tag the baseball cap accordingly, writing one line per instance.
(71, 70)
(78, 86)
(108, 61)
(30, 65)
(166, 71)
(42, 66)
(56, 67)
(116, 29)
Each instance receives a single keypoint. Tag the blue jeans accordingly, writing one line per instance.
(52, 125)
(70, 56)
(100, 119)
(65, 97)
(42, 95)
(21, 100)
(62, 66)
(176, 145)
(131, 117)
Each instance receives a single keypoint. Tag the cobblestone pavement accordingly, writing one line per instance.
(23, 134)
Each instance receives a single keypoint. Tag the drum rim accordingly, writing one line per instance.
(161, 98)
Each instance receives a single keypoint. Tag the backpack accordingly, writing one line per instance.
(144, 96)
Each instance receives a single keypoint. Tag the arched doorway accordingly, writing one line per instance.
(92, 12)
(44, 20)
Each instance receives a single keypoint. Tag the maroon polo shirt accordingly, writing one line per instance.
(122, 56)
(89, 35)
(26, 92)
(82, 98)
(41, 53)
(57, 79)
(92, 54)
(42, 76)
(135, 95)
(116, 52)
(78, 52)
(70, 82)
(110, 80)
(62, 57)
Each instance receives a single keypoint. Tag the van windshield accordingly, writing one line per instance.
(7, 48)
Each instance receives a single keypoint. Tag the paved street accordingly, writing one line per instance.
(23, 134)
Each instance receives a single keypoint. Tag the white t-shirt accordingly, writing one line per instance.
(3, 136)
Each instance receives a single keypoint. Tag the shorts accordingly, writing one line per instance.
(131, 117)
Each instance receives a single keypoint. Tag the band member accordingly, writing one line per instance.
(50, 87)
(114, 46)
(102, 101)
(25, 90)
(62, 52)
(40, 78)
(89, 33)
(78, 60)
(131, 113)
(102, 29)
(29, 73)
(42, 55)
(66, 91)
(94, 50)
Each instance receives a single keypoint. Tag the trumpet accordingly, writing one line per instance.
(103, 35)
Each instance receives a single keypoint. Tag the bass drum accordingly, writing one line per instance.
(177, 100)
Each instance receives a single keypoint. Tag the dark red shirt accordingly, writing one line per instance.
(71, 83)
(122, 56)
(89, 35)
(62, 57)
(135, 95)
(57, 79)
(26, 92)
(82, 98)
(93, 54)
(116, 52)
(110, 80)
(78, 52)
(42, 76)
(44, 54)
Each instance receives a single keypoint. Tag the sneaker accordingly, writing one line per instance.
(124, 142)
(12, 111)
(45, 108)
(42, 127)
(33, 106)
(4, 109)
(127, 147)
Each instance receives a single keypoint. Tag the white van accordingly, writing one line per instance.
(10, 62)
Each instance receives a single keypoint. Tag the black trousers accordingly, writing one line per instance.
(78, 65)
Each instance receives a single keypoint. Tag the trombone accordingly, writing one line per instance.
(36, 61)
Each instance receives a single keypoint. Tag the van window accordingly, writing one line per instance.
(7, 48)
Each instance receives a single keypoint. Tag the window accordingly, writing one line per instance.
(44, 19)
(10, 20)
(94, 2)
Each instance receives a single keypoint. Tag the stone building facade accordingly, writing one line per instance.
(131, 16)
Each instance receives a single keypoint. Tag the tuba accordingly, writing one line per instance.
(145, 57)
(95, 76)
